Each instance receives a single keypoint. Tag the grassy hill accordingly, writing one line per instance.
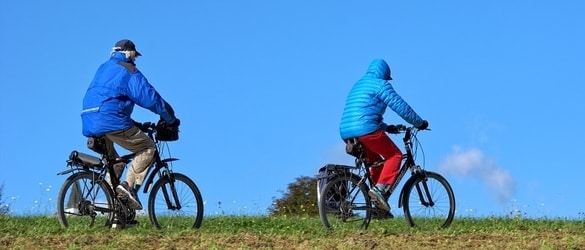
(44, 232)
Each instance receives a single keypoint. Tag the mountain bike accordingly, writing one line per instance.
(88, 196)
(343, 201)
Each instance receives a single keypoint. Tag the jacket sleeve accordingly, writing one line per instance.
(398, 105)
(144, 95)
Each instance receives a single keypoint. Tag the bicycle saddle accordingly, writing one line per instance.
(97, 144)
(353, 147)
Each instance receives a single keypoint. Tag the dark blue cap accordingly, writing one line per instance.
(126, 45)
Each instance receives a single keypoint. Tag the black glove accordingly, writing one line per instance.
(176, 123)
(163, 123)
(424, 125)
(393, 129)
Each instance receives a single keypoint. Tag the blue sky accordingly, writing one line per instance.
(260, 86)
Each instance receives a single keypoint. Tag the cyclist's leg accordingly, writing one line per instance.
(372, 157)
(378, 143)
(135, 141)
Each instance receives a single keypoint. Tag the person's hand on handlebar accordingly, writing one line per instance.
(394, 129)
(424, 125)
(163, 123)
(176, 123)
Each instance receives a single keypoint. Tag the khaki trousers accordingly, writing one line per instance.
(137, 142)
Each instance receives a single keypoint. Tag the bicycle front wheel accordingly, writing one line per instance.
(175, 202)
(429, 201)
(344, 203)
(85, 199)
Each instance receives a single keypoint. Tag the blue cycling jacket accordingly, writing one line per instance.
(367, 101)
(110, 98)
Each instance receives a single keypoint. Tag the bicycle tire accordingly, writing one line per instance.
(162, 203)
(85, 199)
(419, 211)
(345, 203)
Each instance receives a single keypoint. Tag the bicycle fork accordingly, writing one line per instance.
(176, 205)
(425, 188)
(422, 188)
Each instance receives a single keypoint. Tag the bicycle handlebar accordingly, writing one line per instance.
(404, 128)
(408, 130)
(162, 130)
(400, 127)
(149, 126)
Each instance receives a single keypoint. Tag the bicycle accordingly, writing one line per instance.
(426, 197)
(88, 195)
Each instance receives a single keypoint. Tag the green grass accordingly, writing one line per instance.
(259, 232)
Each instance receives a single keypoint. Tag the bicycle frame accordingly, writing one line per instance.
(106, 166)
(408, 163)
(425, 194)
(90, 190)
(156, 167)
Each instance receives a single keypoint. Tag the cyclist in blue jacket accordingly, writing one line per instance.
(107, 107)
(363, 119)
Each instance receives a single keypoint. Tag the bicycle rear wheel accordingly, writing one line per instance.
(175, 202)
(85, 199)
(344, 203)
(429, 201)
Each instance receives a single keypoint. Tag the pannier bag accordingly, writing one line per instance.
(326, 174)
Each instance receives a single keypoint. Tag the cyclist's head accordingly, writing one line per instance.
(128, 48)
(379, 69)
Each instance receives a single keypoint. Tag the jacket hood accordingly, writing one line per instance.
(379, 69)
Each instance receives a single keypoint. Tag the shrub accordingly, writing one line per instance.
(300, 198)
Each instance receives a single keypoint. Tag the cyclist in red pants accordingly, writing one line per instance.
(363, 119)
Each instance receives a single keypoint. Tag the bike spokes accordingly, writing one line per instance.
(344, 203)
(429, 202)
(83, 201)
(175, 203)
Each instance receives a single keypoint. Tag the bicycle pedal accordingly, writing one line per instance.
(382, 215)
(124, 200)
(132, 223)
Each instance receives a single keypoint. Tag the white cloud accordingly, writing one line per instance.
(473, 163)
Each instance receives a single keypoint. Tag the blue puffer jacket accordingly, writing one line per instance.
(110, 98)
(367, 102)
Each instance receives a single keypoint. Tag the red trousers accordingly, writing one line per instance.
(378, 146)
